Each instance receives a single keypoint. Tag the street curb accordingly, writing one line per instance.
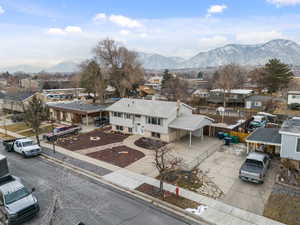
(154, 201)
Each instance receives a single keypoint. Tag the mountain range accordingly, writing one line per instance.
(285, 50)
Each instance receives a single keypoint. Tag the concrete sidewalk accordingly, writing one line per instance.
(217, 212)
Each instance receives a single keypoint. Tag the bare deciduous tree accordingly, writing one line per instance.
(124, 70)
(165, 163)
(34, 114)
(258, 78)
(229, 77)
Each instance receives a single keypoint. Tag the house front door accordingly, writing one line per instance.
(139, 129)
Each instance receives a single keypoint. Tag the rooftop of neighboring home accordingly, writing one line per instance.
(153, 108)
(235, 91)
(263, 98)
(20, 96)
(294, 92)
(291, 126)
(78, 107)
(265, 136)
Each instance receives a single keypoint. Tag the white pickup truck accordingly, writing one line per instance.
(24, 146)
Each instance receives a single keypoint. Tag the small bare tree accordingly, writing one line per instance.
(35, 113)
(165, 163)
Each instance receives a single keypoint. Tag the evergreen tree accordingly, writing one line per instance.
(278, 75)
(166, 79)
(200, 75)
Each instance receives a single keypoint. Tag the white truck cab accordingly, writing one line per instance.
(24, 146)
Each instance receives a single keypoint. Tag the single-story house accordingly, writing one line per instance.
(235, 96)
(264, 139)
(13, 103)
(76, 112)
(164, 120)
(260, 101)
(201, 93)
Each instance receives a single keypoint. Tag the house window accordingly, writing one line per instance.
(155, 134)
(298, 145)
(119, 128)
(129, 129)
(118, 114)
(127, 116)
(258, 104)
(154, 121)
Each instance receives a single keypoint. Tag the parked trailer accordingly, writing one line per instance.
(61, 132)
(4, 172)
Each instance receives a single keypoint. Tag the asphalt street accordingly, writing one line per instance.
(68, 198)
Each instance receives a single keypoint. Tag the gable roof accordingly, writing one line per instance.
(190, 122)
(144, 107)
(21, 96)
(265, 136)
(291, 126)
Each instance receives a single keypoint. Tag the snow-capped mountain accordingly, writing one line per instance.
(285, 50)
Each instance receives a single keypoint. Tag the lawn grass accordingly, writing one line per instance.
(283, 208)
(6, 137)
(16, 127)
(30, 133)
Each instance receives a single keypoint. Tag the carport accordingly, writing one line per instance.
(264, 139)
(192, 124)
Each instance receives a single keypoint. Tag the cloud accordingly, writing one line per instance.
(67, 30)
(124, 21)
(216, 9)
(100, 16)
(284, 2)
(258, 37)
(125, 32)
(1, 10)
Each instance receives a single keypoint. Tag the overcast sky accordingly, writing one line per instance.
(44, 32)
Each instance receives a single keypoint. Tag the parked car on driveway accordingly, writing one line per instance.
(61, 132)
(255, 167)
(17, 203)
(24, 146)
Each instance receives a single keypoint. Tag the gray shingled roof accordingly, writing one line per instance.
(155, 108)
(18, 96)
(265, 135)
(291, 126)
(190, 122)
(78, 106)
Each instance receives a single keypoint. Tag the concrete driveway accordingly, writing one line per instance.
(223, 169)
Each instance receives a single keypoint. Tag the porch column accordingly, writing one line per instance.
(247, 147)
(202, 136)
(190, 138)
(87, 119)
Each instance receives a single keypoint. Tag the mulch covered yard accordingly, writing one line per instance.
(121, 156)
(169, 197)
(149, 143)
(91, 139)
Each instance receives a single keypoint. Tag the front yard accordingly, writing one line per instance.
(96, 138)
(284, 205)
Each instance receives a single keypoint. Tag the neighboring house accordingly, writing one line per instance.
(76, 112)
(290, 141)
(293, 97)
(164, 120)
(146, 90)
(201, 93)
(235, 96)
(264, 139)
(13, 103)
(260, 102)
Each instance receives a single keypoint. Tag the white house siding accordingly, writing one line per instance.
(293, 98)
(288, 147)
